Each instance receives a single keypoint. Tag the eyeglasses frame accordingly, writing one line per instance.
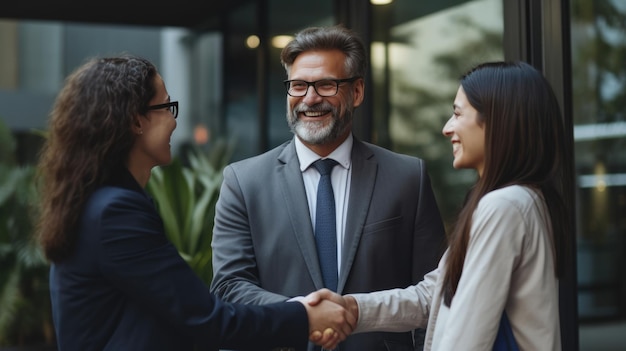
(287, 83)
(168, 104)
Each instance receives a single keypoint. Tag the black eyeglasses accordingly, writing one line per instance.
(324, 87)
(171, 106)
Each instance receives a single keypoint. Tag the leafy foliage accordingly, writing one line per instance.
(185, 194)
(24, 293)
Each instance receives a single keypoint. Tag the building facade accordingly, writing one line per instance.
(224, 68)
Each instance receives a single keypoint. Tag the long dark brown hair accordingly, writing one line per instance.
(525, 144)
(89, 139)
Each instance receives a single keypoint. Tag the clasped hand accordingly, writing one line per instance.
(332, 317)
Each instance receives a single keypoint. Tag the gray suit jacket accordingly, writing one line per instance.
(264, 248)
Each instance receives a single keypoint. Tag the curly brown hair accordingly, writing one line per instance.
(89, 139)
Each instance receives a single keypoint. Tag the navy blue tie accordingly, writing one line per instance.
(325, 224)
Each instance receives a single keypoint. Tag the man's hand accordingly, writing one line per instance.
(326, 337)
(329, 322)
(346, 301)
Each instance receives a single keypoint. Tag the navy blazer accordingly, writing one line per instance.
(125, 287)
(264, 247)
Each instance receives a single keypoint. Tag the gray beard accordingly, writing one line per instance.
(316, 132)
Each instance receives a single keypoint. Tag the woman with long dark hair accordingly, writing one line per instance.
(507, 248)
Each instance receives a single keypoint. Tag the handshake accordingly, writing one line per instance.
(332, 317)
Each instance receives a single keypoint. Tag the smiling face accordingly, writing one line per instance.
(153, 133)
(467, 134)
(322, 123)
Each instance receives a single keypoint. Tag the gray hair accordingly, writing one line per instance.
(328, 38)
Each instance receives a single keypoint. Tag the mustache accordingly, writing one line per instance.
(321, 107)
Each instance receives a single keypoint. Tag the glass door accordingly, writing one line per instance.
(598, 41)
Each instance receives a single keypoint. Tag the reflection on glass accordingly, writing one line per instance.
(598, 40)
(599, 97)
(416, 66)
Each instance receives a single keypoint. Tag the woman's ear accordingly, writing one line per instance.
(137, 126)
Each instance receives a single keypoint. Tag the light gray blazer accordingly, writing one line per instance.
(264, 248)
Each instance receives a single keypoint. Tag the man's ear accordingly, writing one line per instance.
(358, 91)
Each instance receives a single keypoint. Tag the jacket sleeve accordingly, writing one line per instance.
(429, 230)
(235, 266)
(136, 256)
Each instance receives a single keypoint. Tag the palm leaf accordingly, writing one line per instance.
(185, 196)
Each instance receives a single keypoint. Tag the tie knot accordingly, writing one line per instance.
(324, 166)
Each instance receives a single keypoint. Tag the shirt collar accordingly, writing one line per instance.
(341, 154)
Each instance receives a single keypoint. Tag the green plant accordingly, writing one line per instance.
(25, 315)
(185, 195)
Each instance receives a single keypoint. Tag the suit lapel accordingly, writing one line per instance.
(296, 206)
(364, 168)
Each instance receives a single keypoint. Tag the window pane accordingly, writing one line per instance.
(598, 39)
(8, 56)
(418, 54)
(241, 95)
(287, 17)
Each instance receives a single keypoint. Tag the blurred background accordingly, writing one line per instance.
(220, 60)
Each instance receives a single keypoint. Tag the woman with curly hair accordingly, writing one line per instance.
(116, 282)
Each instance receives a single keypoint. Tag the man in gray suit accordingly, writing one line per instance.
(389, 231)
